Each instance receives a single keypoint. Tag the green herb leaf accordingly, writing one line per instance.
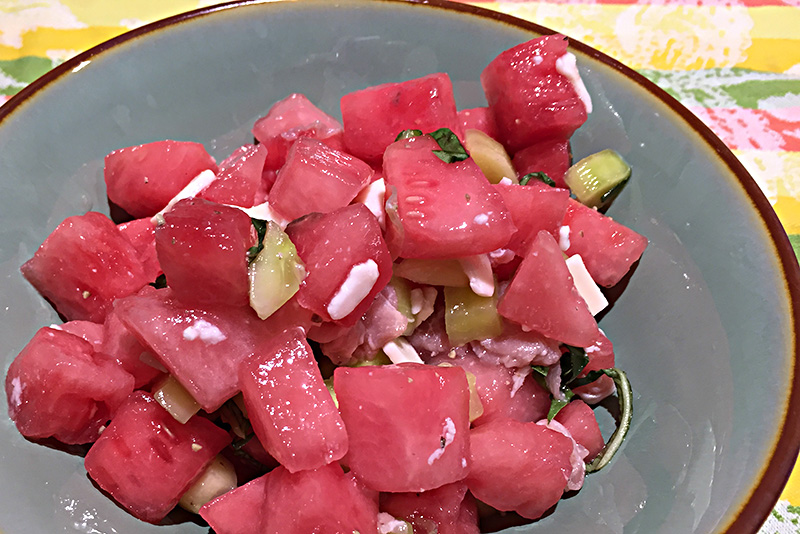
(572, 363)
(542, 177)
(625, 396)
(590, 377)
(261, 230)
(452, 150)
(556, 405)
(408, 134)
(541, 369)
(160, 282)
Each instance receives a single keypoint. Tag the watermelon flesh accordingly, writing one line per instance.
(239, 511)
(289, 406)
(84, 265)
(120, 343)
(239, 179)
(89, 331)
(146, 460)
(408, 425)
(444, 510)
(552, 157)
(143, 179)
(478, 119)
(578, 418)
(532, 209)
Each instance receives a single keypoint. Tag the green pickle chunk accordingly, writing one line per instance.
(276, 273)
(468, 316)
(597, 179)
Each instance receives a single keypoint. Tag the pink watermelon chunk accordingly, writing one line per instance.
(332, 245)
(146, 460)
(601, 355)
(59, 387)
(579, 419)
(408, 425)
(89, 331)
(521, 467)
(202, 248)
(608, 248)
(373, 117)
(530, 100)
(317, 178)
(542, 297)
(141, 233)
(444, 510)
(289, 406)
(445, 210)
(238, 511)
(120, 343)
(478, 119)
(291, 119)
(143, 179)
(239, 178)
(84, 265)
(551, 157)
(533, 209)
(201, 347)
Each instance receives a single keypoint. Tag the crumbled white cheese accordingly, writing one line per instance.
(567, 66)
(518, 378)
(448, 435)
(192, 189)
(479, 270)
(373, 197)
(387, 524)
(400, 351)
(586, 287)
(16, 392)
(359, 282)
(481, 218)
(204, 331)
(505, 180)
(563, 238)
(264, 212)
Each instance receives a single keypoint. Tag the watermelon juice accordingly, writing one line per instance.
(383, 325)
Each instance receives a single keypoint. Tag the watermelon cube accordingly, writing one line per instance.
(552, 157)
(608, 248)
(373, 117)
(201, 346)
(289, 406)
(324, 500)
(89, 331)
(542, 297)
(141, 233)
(532, 101)
(59, 387)
(578, 418)
(202, 248)
(84, 265)
(533, 209)
(146, 460)
(521, 467)
(239, 511)
(441, 210)
(444, 510)
(143, 179)
(408, 425)
(478, 119)
(347, 262)
(291, 119)
(317, 178)
(120, 343)
(239, 178)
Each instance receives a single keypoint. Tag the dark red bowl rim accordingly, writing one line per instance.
(765, 493)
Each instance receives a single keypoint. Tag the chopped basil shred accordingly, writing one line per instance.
(261, 230)
(160, 282)
(542, 177)
(408, 134)
(572, 363)
(452, 150)
(625, 396)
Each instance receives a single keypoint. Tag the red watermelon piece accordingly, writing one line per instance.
(89, 331)
(529, 99)
(332, 246)
(608, 248)
(291, 119)
(579, 419)
(478, 119)
(59, 387)
(289, 406)
(239, 178)
(445, 210)
(120, 343)
(601, 355)
(323, 500)
(84, 265)
(373, 117)
(408, 425)
(146, 460)
(551, 156)
(520, 467)
(141, 233)
(444, 510)
(532, 210)
(317, 178)
(239, 511)
(543, 298)
(202, 248)
(143, 179)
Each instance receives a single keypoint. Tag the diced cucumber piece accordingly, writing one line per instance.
(174, 398)
(403, 292)
(380, 359)
(475, 404)
(329, 384)
(218, 478)
(469, 317)
(597, 179)
(490, 156)
(432, 272)
(276, 273)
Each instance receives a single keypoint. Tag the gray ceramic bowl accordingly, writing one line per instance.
(707, 328)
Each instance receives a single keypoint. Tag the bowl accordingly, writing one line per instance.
(707, 327)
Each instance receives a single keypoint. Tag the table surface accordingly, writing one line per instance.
(734, 63)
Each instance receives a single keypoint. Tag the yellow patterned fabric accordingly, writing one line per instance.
(735, 63)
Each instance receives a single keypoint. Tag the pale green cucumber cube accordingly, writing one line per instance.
(276, 273)
(597, 179)
(469, 317)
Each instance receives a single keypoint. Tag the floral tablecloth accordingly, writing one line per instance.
(735, 63)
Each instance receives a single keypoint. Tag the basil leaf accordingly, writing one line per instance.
(160, 281)
(408, 134)
(261, 230)
(542, 177)
(590, 377)
(541, 369)
(556, 405)
(452, 150)
(572, 363)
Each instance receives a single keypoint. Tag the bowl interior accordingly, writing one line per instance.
(704, 329)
